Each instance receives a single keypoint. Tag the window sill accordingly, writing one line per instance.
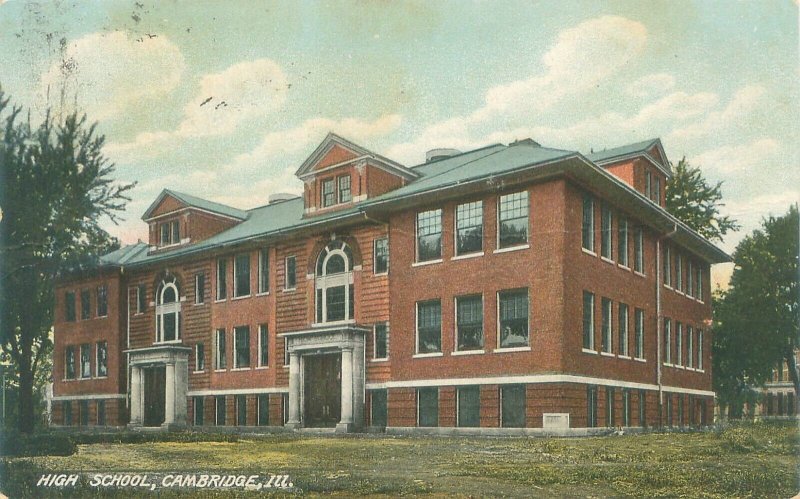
(334, 323)
(701, 370)
(636, 272)
(586, 350)
(667, 286)
(624, 267)
(667, 364)
(380, 360)
(468, 352)
(638, 359)
(220, 300)
(607, 354)
(170, 342)
(427, 262)
(511, 349)
(588, 252)
(512, 248)
(201, 371)
(240, 369)
(101, 377)
(426, 355)
(240, 297)
(261, 368)
(626, 357)
(607, 260)
(380, 274)
(196, 304)
(220, 370)
(265, 293)
(467, 256)
(289, 290)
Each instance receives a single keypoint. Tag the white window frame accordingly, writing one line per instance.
(286, 273)
(667, 266)
(222, 277)
(199, 296)
(638, 250)
(527, 219)
(623, 328)
(607, 308)
(375, 341)
(235, 330)
(104, 287)
(639, 327)
(163, 309)
(261, 346)
(588, 197)
(197, 357)
(88, 357)
(590, 347)
(324, 282)
(689, 347)
(141, 298)
(332, 182)
(416, 328)
(456, 228)
(339, 179)
(699, 349)
(456, 324)
(678, 344)
(667, 341)
(375, 255)
(219, 360)
(236, 276)
(70, 349)
(623, 243)
(606, 213)
(97, 359)
(263, 271)
(528, 330)
(417, 235)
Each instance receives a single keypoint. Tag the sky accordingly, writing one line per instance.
(224, 100)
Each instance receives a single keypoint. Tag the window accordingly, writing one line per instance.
(605, 232)
(469, 228)
(199, 288)
(469, 406)
(328, 193)
(623, 329)
(605, 308)
(241, 347)
(587, 232)
(262, 409)
(101, 360)
(667, 266)
(429, 235)
(168, 311)
(678, 272)
(241, 275)
(69, 362)
(222, 279)
(588, 320)
(689, 347)
(512, 406)
(427, 407)
(285, 407)
(141, 298)
(86, 305)
(69, 306)
(699, 293)
(610, 401)
(263, 271)
(622, 242)
(100, 405)
(639, 347)
(170, 233)
(513, 318)
(429, 326)
(344, 189)
(680, 410)
(638, 250)
(657, 190)
(648, 189)
(241, 410)
(626, 407)
(381, 341)
(591, 406)
(378, 408)
(102, 301)
(678, 344)
(66, 407)
(513, 226)
(469, 322)
(667, 341)
(334, 283)
(219, 403)
(84, 412)
(199, 357)
(381, 252)
(290, 281)
(263, 346)
(689, 278)
(86, 366)
(198, 410)
(642, 408)
(220, 361)
(700, 349)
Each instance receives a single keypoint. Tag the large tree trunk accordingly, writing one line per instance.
(791, 361)
(26, 418)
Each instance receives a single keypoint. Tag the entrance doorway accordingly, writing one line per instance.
(154, 395)
(322, 394)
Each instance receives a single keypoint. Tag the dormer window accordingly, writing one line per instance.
(344, 189)
(170, 233)
(328, 193)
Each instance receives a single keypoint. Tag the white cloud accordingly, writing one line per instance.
(743, 102)
(652, 85)
(106, 73)
(739, 157)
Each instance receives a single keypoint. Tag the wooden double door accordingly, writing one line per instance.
(155, 395)
(322, 390)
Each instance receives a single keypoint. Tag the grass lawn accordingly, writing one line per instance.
(757, 460)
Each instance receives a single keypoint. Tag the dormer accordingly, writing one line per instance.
(644, 166)
(176, 219)
(339, 174)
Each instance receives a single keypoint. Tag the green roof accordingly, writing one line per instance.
(629, 149)
(197, 202)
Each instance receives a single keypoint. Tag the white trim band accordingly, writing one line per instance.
(96, 396)
(237, 391)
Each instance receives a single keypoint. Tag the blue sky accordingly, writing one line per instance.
(717, 81)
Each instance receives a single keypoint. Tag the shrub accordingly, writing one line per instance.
(44, 444)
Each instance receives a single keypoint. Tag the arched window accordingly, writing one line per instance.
(334, 283)
(168, 311)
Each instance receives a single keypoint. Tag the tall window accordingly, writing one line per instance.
(168, 311)
(667, 257)
(587, 231)
(102, 301)
(69, 306)
(219, 410)
(334, 283)
(429, 235)
(678, 272)
(101, 359)
(220, 355)
(623, 246)
(69, 362)
(514, 331)
(700, 350)
(170, 233)
(86, 305)
(648, 189)
(86, 365)
(657, 189)
(606, 226)
(381, 341)
(199, 288)
(667, 341)
(610, 402)
(141, 298)
(381, 254)
(290, 280)
(241, 347)
(222, 279)
(699, 293)
(623, 329)
(263, 271)
(241, 410)
(101, 412)
(678, 344)
(199, 357)
(468, 410)
(689, 278)
(606, 306)
(513, 227)
(626, 407)
(328, 193)
(638, 250)
(241, 275)
(639, 347)
(262, 409)
(642, 408)
(344, 189)
(588, 320)
(197, 407)
(469, 228)
(263, 345)
(512, 406)
(469, 322)
(429, 326)
(689, 347)
(428, 407)
(591, 406)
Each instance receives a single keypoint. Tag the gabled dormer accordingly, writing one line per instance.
(178, 219)
(643, 165)
(339, 174)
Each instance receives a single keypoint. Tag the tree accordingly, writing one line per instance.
(758, 320)
(690, 199)
(55, 187)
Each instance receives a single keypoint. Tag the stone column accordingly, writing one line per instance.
(294, 391)
(169, 403)
(136, 396)
(346, 423)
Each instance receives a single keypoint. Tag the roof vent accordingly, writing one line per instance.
(279, 197)
(437, 154)
(525, 142)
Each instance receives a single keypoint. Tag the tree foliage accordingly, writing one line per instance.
(690, 199)
(55, 188)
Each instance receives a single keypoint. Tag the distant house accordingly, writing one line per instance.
(512, 286)
(777, 398)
